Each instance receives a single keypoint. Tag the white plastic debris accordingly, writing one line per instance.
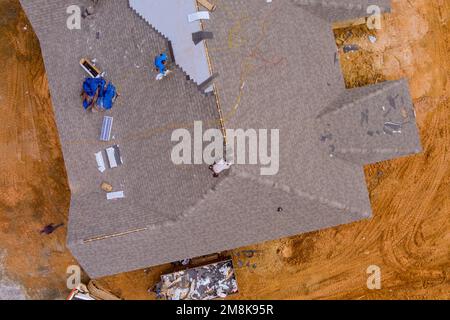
(372, 39)
(111, 158)
(115, 195)
(100, 162)
(114, 157)
(201, 15)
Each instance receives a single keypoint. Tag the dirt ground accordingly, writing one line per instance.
(408, 237)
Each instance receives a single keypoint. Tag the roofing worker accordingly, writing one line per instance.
(160, 65)
(49, 229)
(219, 166)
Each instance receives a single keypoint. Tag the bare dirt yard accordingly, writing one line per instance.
(408, 237)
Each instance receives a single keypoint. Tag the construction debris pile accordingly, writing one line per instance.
(203, 283)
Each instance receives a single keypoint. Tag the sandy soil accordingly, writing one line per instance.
(33, 183)
(408, 237)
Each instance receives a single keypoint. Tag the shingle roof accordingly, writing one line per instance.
(278, 69)
(340, 10)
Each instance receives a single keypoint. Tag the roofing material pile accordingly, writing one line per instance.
(97, 92)
(208, 282)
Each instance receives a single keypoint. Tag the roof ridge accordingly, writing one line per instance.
(331, 4)
(287, 189)
(383, 87)
(189, 211)
(167, 223)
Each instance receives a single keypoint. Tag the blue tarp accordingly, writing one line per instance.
(159, 62)
(106, 92)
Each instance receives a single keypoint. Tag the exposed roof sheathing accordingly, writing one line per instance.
(170, 18)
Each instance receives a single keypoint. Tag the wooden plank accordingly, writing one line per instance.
(208, 5)
(349, 23)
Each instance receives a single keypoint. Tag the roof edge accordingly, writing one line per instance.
(335, 11)
(364, 93)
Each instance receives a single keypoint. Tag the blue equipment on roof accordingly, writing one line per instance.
(106, 93)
